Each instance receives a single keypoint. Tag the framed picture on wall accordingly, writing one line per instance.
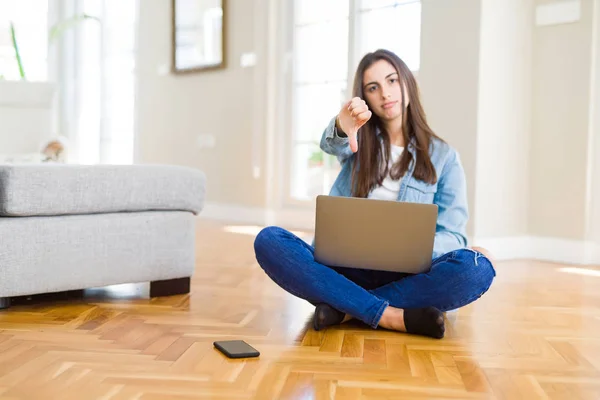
(198, 35)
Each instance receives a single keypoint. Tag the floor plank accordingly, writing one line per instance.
(533, 335)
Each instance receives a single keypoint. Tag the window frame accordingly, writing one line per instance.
(89, 136)
(289, 141)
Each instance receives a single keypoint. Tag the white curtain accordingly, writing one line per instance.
(94, 63)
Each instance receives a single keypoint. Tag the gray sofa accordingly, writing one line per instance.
(72, 227)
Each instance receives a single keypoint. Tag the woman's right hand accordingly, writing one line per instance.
(352, 116)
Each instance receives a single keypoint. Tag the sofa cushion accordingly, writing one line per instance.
(63, 189)
(53, 254)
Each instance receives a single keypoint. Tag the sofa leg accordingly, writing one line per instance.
(170, 287)
(4, 302)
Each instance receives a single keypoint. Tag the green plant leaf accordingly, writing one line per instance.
(59, 28)
(54, 33)
(13, 36)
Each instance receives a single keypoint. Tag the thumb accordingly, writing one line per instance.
(353, 142)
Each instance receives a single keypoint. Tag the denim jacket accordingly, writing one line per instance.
(449, 193)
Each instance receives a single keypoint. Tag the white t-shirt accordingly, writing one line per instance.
(389, 188)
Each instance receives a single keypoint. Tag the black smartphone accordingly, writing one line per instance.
(236, 349)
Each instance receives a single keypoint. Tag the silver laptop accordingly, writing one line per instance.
(374, 234)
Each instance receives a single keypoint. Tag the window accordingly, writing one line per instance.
(30, 19)
(118, 64)
(394, 25)
(105, 73)
(96, 64)
(329, 38)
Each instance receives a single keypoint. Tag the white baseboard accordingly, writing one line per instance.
(292, 219)
(593, 253)
(507, 248)
(295, 219)
(542, 248)
(235, 214)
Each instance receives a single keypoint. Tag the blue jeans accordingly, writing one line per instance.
(454, 280)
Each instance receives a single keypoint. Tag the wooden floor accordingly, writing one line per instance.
(536, 334)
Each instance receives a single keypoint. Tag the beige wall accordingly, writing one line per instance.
(511, 97)
(594, 136)
(504, 125)
(229, 104)
(561, 88)
(449, 77)
(514, 100)
(475, 78)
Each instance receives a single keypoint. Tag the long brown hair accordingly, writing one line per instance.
(367, 171)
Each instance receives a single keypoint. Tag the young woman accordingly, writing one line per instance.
(387, 151)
